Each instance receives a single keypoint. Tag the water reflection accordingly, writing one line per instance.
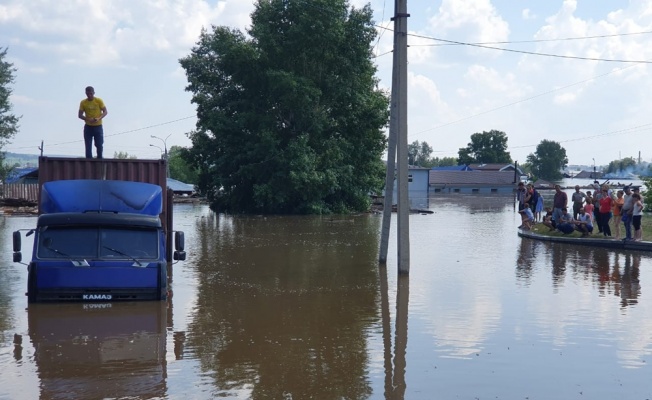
(284, 305)
(92, 351)
(612, 272)
(296, 307)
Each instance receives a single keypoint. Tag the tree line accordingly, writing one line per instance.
(490, 147)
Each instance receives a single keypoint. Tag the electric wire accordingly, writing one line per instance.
(113, 134)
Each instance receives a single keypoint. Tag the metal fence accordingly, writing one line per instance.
(19, 191)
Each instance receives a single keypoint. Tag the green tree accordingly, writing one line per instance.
(180, 167)
(485, 148)
(442, 162)
(123, 155)
(526, 168)
(647, 195)
(621, 165)
(419, 153)
(290, 119)
(8, 121)
(548, 160)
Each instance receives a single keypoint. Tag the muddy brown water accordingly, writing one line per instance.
(298, 308)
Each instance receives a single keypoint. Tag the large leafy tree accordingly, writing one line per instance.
(548, 160)
(8, 121)
(290, 119)
(485, 148)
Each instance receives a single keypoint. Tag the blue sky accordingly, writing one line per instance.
(129, 51)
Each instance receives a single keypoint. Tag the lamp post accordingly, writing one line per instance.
(165, 152)
(593, 176)
(158, 147)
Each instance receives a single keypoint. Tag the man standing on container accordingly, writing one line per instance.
(559, 202)
(92, 110)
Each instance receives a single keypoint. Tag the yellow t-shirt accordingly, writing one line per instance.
(92, 109)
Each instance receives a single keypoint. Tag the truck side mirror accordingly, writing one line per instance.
(18, 257)
(16, 241)
(179, 241)
(179, 255)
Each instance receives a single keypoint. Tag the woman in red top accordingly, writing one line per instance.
(606, 204)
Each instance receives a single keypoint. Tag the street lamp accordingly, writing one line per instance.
(158, 147)
(165, 152)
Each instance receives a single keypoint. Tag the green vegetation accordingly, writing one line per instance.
(290, 117)
(419, 155)
(123, 155)
(180, 169)
(621, 165)
(485, 148)
(647, 195)
(548, 160)
(8, 121)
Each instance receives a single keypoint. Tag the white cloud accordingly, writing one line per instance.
(476, 21)
(565, 98)
(527, 14)
(117, 32)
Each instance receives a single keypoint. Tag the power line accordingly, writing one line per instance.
(117, 134)
(612, 133)
(534, 53)
(539, 40)
(633, 129)
(485, 46)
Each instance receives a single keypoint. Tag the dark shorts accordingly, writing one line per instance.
(566, 228)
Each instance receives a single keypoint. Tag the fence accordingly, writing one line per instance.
(19, 191)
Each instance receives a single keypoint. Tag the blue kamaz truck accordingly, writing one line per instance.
(101, 239)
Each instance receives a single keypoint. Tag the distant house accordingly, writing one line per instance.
(588, 175)
(417, 179)
(30, 176)
(472, 181)
(452, 168)
(180, 188)
(23, 175)
(495, 167)
(543, 184)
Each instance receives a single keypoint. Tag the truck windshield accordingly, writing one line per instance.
(97, 243)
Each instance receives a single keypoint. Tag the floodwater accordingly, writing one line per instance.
(298, 308)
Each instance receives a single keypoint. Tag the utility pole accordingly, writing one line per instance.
(400, 103)
(398, 138)
(388, 201)
(165, 157)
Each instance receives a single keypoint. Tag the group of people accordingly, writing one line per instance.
(530, 204)
(590, 211)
